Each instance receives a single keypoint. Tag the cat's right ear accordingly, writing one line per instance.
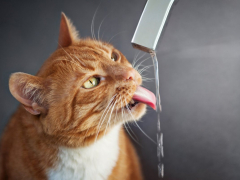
(67, 33)
(29, 91)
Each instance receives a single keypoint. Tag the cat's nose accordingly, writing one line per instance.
(129, 74)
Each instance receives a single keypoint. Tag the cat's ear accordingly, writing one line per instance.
(67, 33)
(28, 90)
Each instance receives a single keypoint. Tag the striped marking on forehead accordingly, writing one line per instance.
(89, 54)
(96, 45)
(100, 48)
(84, 54)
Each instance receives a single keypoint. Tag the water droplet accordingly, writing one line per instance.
(161, 139)
(161, 170)
(159, 149)
(162, 153)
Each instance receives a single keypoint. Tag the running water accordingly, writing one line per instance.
(160, 154)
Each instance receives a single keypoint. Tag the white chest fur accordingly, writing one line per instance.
(94, 162)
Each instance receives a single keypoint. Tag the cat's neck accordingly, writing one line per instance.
(92, 162)
(33, 127)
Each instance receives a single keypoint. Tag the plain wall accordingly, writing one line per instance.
(199, 68)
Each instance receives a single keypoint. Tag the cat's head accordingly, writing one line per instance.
(83, 89)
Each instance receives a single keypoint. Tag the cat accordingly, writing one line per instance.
(69, 123)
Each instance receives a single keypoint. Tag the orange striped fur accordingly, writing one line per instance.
(57, 111)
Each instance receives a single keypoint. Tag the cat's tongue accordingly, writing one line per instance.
(145, 96)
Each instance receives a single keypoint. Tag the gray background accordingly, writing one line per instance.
(199, 59)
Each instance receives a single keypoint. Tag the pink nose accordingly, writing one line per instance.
(129, 74)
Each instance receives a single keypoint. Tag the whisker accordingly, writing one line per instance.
(92, 23)
(108, 107)
(101, 24)
(141, 57)
(66, 52)
(111, 100)
(145, 133)
(139, 126)
(147, 79)
(135, 58)
(115, 116)
(103, 33)
(144, 69)
(73, 61)
(109, 119)
(103, 114)
(79, 59)
(115, 35)
(141, 63)
(101, 121)
(128, 125)
(138, 60)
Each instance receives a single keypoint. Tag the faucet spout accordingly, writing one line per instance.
(151, 24)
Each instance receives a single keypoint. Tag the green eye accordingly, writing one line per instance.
(91, 82)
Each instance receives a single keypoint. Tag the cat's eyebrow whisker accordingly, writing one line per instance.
(80, 61)
(67, 53)
(139, 126)
(78, 58)
(73, 61)
(115, 36)
(102, 34)
(92, 23)
(101, 24)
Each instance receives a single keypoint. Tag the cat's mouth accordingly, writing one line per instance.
(131, 104)
(142, 95)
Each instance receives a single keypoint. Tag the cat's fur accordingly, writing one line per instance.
(64, 131)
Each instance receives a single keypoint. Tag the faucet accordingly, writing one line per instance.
(151, 24)
(145, 38)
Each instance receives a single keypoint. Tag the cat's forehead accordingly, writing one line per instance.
(96, 45)
(86, 56)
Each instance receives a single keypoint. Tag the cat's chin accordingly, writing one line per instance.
(136, 112)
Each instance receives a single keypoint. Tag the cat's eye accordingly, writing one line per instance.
(91, 82)
(114, 56)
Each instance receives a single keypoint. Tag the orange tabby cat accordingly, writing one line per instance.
(69, 123)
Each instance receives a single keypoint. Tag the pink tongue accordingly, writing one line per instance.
(145, 96)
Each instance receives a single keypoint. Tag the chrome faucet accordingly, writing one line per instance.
(151, 24)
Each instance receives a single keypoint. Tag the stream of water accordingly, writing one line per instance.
(160, 154)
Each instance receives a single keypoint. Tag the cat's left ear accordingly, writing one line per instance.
(29, 91)
(67, 33)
